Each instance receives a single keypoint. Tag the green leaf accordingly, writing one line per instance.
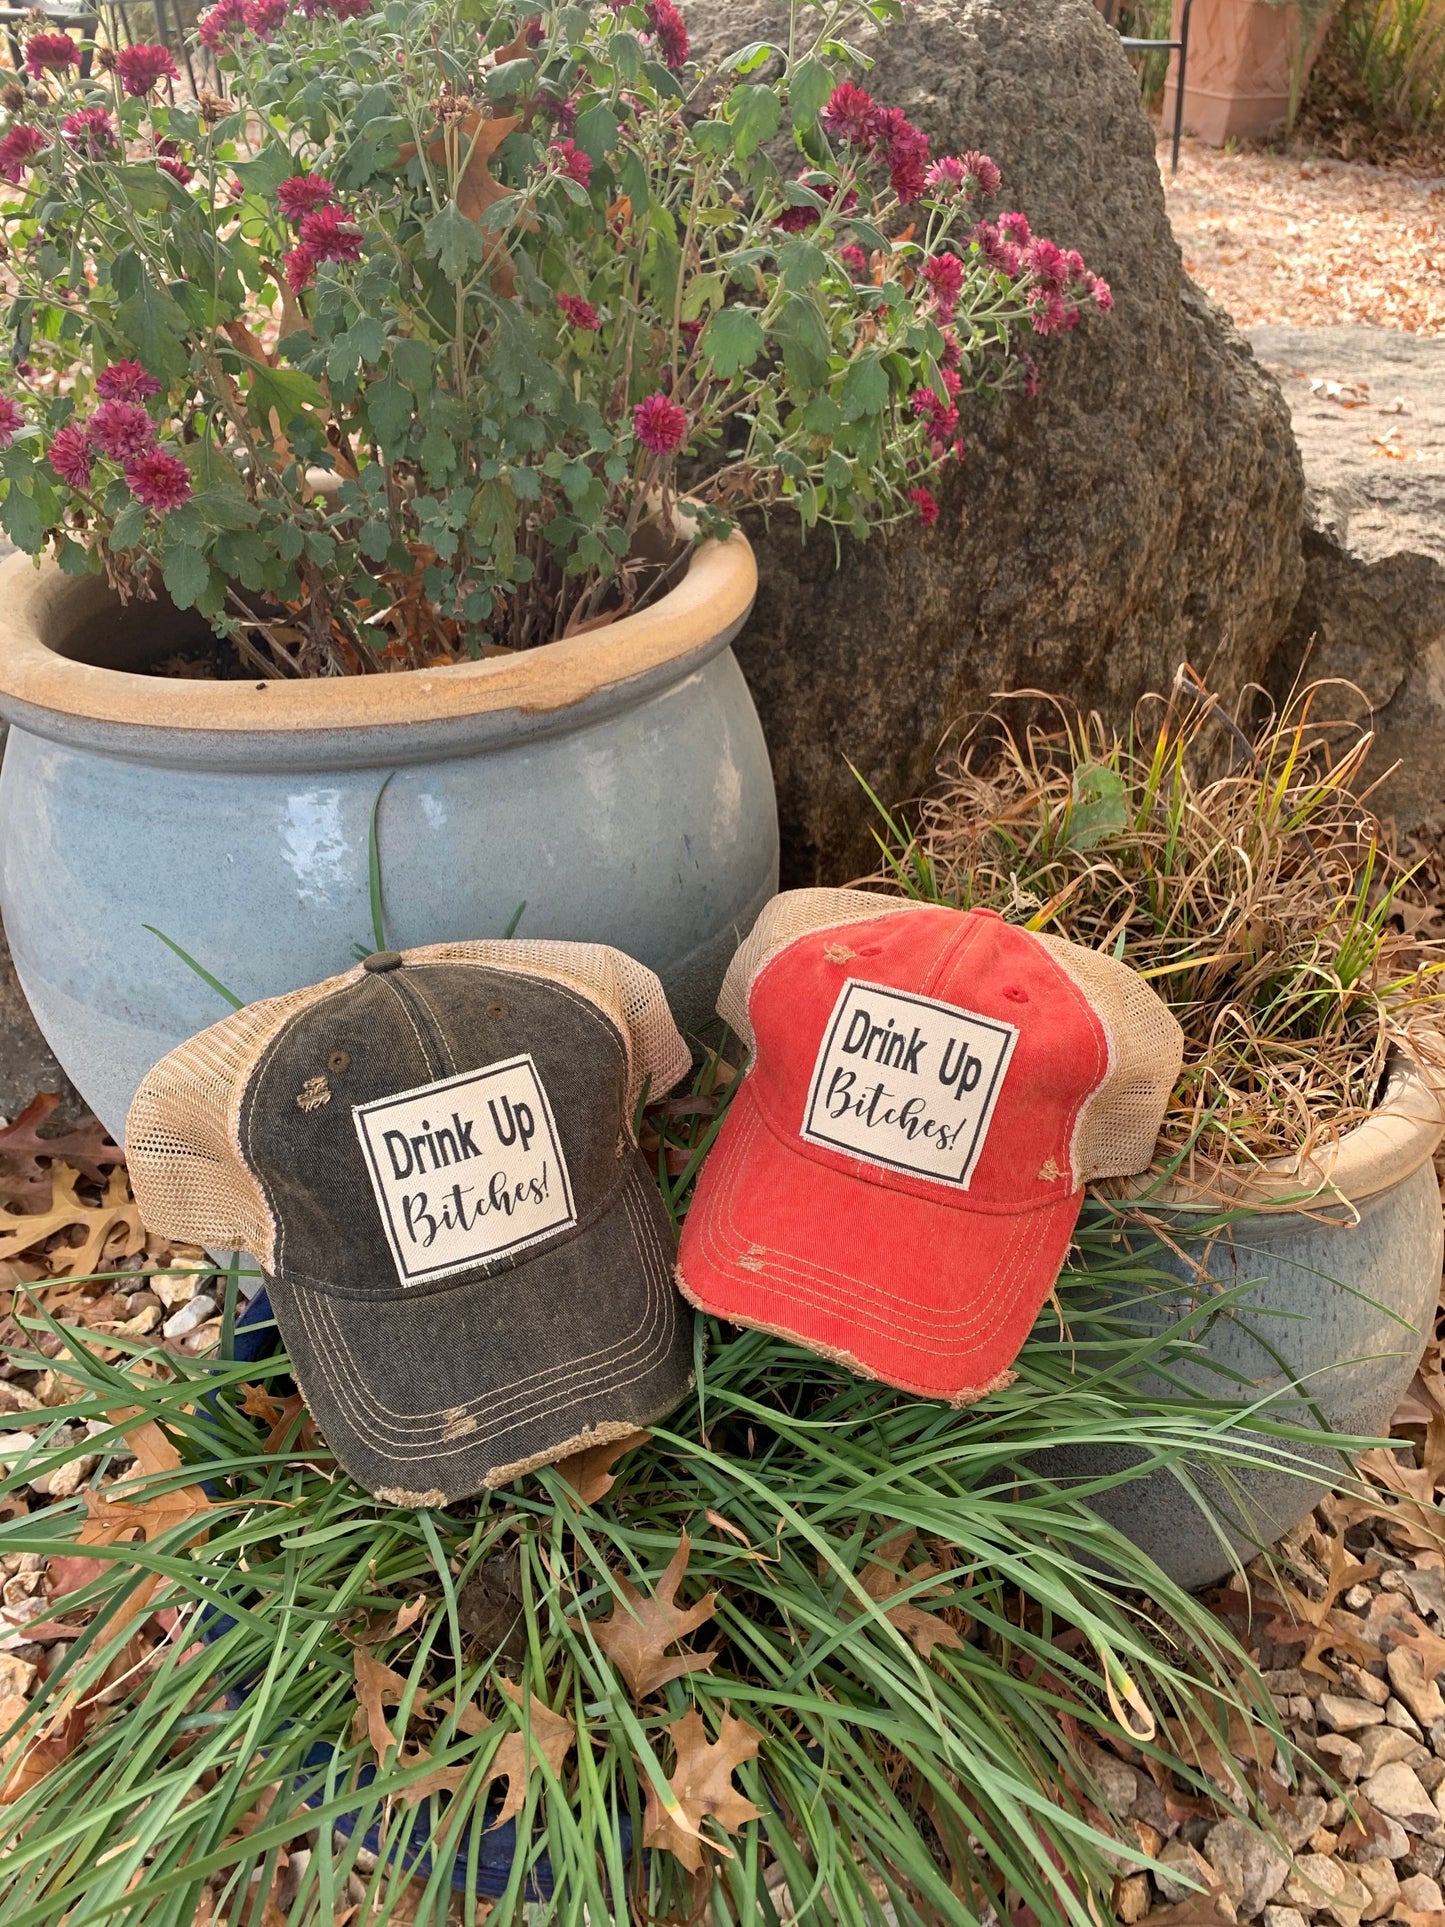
(753, 113)
(454, 242)
(802, 263)
(186, 572)
(413, 362)
(155, 325)
(21, 520)
(805, 343)
(625, 50)
(596, 131)
(865, 388)
(809, 86)
(822, 416)
(1099, 807)
(145, 190)
(287, 390)
(733, 341)
(389, 409)
(266, 173)
(748, 59)
(129, 526)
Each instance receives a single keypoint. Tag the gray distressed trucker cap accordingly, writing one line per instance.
(432, 1158)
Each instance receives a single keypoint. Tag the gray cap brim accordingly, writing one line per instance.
(438, 1395)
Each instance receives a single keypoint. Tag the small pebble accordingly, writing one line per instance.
(66, 1480)
(1398, 1714)
(1421, 1894)
(14, 1446)
(1131, 1898)
(1343, 1715)
(1343, 1757)
(1283, 1917)
(17, 1676)
(194, 1313)
(175, 1288)
(1358, 1598)
(1366, 1685)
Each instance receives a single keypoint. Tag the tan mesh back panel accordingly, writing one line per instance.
(182, 1137)
(792, 915)
(1118, 1126)
(182, 1134)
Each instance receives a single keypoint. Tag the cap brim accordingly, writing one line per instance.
(928, 1297)
(434, 1396)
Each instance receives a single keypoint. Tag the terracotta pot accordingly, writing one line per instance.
(617, 783)
(1247, 62)
(1339, 1260)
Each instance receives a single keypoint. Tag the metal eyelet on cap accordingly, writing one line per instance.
(338, 1061)
(382, 960)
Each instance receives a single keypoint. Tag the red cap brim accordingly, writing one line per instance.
(928, 1297)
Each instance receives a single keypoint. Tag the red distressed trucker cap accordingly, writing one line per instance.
(901, 1170)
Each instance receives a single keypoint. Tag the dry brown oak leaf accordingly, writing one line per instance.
(923, 1629)
(23, 1231)
(640, 1630)
(462, 149)
(551, 1739)
(87, 1147)
(591, 1474)
(702, 1789)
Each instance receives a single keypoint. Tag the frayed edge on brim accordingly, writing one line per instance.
(969, 1395)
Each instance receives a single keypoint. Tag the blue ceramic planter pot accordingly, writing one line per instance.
(616, 783)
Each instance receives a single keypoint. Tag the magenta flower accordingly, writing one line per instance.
(1015, 228)
(300, 267)
(126, 381)
(941, 416)
(350, 9)
(263, 17)
(925, 504)
(561, 113)
(50, 53)
(1049, 312)
(159, 479)
(854, 260)
(568, 159)
(796, 220)
(328, 235)
(121, 430)
(982, 172)
(668, 30)
(11, 421)
(303, 192)
(226, 20)
(70, 456)
(580, 313)
(946, 176)
(944, 276)
(849, 112)
(1032, 383)
(660, 425)
(143, 67)
(904, 150)
(1103, 294)
(176, 168)
(1001, 255)
(90, 130)
(1048, 263)
(18, 149)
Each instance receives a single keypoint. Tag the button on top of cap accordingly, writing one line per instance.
(382, 960)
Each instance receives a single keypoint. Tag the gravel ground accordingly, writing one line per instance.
(1310, 242)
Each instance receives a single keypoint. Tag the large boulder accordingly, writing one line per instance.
(1369, 416)
(1145, 509)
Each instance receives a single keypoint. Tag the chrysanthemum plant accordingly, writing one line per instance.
(409, 340)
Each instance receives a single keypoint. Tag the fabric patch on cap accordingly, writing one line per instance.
(907, 1082)
(465, 1170)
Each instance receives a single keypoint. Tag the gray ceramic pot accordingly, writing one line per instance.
(618, 783)
(1342, 1263)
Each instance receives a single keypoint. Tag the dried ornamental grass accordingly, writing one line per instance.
(1259, 903)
